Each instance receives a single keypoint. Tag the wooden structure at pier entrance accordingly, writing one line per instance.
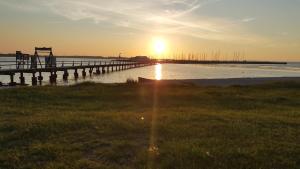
(50, 60)
(36, 67)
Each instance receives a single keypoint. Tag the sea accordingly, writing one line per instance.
(166, 72)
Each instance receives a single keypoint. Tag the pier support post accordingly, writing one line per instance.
(91, 71)
(22, 78)
(76, 74)
(34, 79)
(12, 83)
(98, 71)
(83, 73)
(103, 70)
(53, 77)
(65, 75)
(40, 78)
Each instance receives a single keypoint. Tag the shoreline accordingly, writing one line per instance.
(199, 82)
(223, 82)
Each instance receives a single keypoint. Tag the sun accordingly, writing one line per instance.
(159, 46)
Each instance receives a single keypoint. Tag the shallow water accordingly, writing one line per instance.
(176, 71)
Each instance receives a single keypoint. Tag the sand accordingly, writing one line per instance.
(225, 82)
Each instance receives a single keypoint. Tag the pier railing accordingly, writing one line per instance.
(7, 65)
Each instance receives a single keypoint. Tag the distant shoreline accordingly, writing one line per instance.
(168, 61)
(86, 57)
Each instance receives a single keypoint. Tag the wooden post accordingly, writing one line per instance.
(12, 83)
(34, 79)
(83, 73)
(40, 78)
(22, 78)
(76, 74)
(91, 71)
(53, 77)
(98, 71)
(65, 75)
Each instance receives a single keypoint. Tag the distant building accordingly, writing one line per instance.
(140, 59)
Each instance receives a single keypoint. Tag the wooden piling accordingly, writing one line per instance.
(91, 71)
(98, 71)
(83, 73)
(65, 75)
(76, 76)
(12, 83)
(22, 78)
(34, 79)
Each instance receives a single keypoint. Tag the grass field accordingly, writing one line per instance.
(150, 126)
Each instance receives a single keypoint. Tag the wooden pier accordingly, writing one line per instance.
(79, 67)
(33, 64)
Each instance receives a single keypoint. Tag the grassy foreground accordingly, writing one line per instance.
(139, 126)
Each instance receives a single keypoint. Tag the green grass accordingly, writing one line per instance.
(141, 126)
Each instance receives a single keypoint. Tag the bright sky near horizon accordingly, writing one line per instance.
(260, 29)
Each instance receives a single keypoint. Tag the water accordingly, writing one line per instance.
(176, 71)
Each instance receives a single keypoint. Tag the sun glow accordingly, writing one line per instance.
(159, 46)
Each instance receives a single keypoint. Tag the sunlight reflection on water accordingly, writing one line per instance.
(158, 72)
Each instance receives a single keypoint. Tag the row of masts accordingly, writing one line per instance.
(204, 56)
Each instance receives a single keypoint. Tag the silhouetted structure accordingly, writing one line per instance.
(52, 66)
(140, 59)
(50, 60)
(22, 60)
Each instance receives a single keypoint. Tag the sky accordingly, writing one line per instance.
(253, 29)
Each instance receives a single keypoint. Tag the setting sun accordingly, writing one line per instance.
(159, 46)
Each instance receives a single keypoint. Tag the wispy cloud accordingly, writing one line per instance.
(250, 19)
(157, 16)
(26, 5)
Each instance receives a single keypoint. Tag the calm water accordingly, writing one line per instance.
(174, 71)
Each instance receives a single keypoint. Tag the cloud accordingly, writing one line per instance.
(26, 5)
(248, 19)
(155, 16)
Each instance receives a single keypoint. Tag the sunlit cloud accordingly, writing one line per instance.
(153, 16)
(248, 19)
(189, 25)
